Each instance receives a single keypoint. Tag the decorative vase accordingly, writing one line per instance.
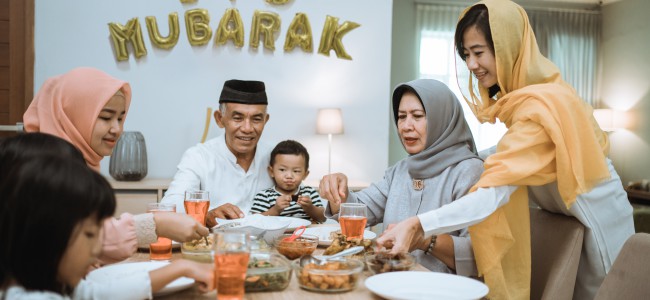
(129, 158)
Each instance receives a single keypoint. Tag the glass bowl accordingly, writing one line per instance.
(197, 250)
(303, 245)
(383, 262)
(267, 272)
(334, 276)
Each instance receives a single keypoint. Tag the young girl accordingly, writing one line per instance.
(553, 154)
(87, 108)
(51, 215)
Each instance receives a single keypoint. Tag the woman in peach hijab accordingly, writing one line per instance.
(87, 107)
(553, 154)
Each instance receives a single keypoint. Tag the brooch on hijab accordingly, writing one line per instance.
(418, 184)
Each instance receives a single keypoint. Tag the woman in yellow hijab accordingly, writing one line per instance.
(553, 153)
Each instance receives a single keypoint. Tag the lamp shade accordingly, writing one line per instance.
(605, 118)
(329, 121)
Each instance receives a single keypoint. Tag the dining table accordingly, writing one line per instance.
(293, 291)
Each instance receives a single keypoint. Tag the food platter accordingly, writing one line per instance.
(323, 234)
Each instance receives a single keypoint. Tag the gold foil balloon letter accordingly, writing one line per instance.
(230, 27)
(332, 35)
(197, 24)
(156, 38)
(280, 2)
(267, 23)
(130, 32)
(299, 34)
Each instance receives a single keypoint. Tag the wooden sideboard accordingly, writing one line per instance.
(133, 196)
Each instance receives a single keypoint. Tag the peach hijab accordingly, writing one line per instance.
(552, 136)
(67, 106)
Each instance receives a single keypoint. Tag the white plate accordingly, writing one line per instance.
(293, 222)
(323, 234)
(120, 271)
(425, 285)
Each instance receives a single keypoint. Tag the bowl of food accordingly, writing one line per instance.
(198, 250)
(292, 249)
(333, 276)
(383, 262)
(267, 272)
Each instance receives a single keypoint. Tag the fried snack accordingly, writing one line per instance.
(340, 243)
(322, 281)
(383, 262)
(200, 244)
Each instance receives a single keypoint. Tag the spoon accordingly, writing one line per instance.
(296, 234)
(308, 259)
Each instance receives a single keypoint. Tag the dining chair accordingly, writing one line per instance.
(628, 277)
(556, 245)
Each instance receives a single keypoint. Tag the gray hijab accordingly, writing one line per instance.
(449, 139)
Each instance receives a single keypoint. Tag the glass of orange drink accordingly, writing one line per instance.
(231, 254)
(353, 219)
(162, 249)
(196, 204)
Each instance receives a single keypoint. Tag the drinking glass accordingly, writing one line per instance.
(231, 254)
(162, 249)
(196, 204)
(352, 217)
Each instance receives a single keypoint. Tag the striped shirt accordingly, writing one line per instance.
(265, 199)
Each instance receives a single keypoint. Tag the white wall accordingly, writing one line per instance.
(172, 89)
(626, 84)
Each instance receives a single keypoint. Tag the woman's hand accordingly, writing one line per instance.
(405, 236)
(334, 188)
(178, 227)
(202, 273)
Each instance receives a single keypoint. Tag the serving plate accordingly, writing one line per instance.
(270, 222)
(323, 234)
(120, 271)
(425, 285)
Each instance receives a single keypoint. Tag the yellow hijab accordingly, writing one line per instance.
(552, 136)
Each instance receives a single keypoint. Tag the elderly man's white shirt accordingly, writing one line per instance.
(213, 167)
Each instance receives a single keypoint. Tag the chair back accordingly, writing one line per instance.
(556, 245)
(628, 277)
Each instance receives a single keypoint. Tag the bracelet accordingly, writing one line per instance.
(432, 245)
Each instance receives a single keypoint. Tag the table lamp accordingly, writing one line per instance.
(329, 121)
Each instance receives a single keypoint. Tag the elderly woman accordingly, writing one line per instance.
(441, 167)
(87, 108)
(553, 154)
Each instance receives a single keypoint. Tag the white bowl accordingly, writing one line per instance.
(257, 225)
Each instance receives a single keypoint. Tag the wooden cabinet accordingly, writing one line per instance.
(133, 196)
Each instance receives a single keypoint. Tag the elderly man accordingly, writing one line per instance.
(233, 166)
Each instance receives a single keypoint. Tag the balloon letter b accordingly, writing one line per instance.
(332, 35)
(197, 24)
(267, 23)
(156, 38)
(130, 32)
(299, 33)
(231, 27)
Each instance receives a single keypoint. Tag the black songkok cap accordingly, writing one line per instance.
(244, 92)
